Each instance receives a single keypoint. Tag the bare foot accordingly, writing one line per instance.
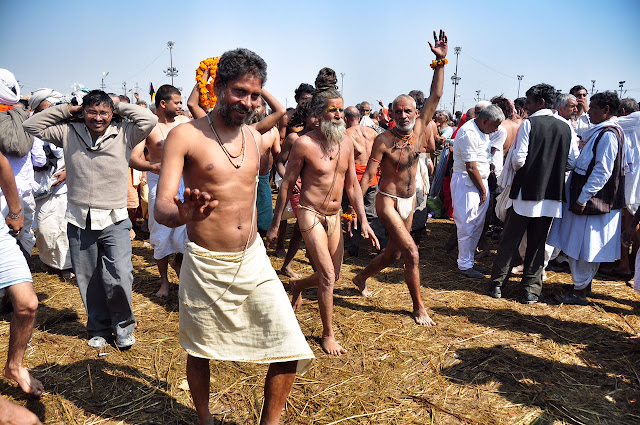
(206, 419)
(163, 292)
(422, 317)
(362, 286)
(16, 415)
(288, 271)
(132, 234)
(281, 253)
(331, 346)
(28, 383)
(296, 296)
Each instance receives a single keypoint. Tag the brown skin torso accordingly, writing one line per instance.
(155, 140)
(363, 138)
(402, 182)
(207, 168)
(318, 170)
(512, 129)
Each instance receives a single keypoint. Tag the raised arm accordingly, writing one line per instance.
(439, 49)
(193, 102)
(274, 117)
(142, 121)
(47, 126)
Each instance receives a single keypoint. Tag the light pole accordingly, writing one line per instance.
(104, 75)
(342, 74)
(171, 71)
(455, 80)
(621, 84)
(520, 77)
(593, 86)
(478, 94)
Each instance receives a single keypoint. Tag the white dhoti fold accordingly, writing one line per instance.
(235, 308)
(469, 216)
(13, 266)
(582, 272)
(164, 240)
(51, 235)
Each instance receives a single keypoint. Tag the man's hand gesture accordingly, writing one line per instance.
(441, 45)
(196, 205)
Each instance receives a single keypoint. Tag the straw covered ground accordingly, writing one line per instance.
(486, 362)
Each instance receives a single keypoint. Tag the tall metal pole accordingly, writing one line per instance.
(456, 79)
(520, 77)
(104, 75)
(170, 45)
(621, 86)
(478, 94)
(342, 74)
(593, 86)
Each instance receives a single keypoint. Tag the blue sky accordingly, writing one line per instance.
(381, 47)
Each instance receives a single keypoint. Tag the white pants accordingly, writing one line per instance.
(582, 272)
(469, 216)
(51, 235)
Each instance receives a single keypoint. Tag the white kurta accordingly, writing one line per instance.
(592, 238)
(631, 126)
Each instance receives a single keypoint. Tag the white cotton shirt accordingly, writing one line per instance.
(472, 145)
(545, 207)
(496, 147)
(581, 125)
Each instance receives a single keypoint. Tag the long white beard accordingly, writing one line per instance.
(334, 131)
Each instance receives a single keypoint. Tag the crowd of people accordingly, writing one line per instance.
(555, 174)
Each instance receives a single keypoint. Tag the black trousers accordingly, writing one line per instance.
(515, 225)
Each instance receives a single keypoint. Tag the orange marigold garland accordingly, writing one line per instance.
(349, 217)
(207, 98)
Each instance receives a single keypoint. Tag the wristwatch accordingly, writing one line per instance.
(14, 216)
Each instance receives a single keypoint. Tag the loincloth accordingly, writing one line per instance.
(235, 308)
(404, 206)
(330, 221)
(264, 203)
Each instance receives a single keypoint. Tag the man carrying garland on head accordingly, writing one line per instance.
(232, 305)
(324, 160)
(397, 153)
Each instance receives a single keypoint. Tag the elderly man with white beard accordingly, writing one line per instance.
(324, 160)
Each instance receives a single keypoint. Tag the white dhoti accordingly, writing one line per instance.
(469, 216)
(164, 240)
(582, 272)
(235, 308)
(51, 235)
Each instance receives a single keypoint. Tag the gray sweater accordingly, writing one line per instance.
(96, 175)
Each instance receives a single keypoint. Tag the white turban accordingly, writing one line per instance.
(40, 95)
(9, 88)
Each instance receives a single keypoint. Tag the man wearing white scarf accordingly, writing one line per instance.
(43, 98)
(589, 240)
(9, 88)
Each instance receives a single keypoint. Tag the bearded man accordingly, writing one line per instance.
(324, 159)
(397, 153)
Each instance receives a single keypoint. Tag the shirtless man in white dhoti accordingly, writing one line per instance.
(324, 160)
(165, 241)
(232, 305)
(397, 153)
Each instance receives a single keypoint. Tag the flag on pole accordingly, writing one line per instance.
(152, 92)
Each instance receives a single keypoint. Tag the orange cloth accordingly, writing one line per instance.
(360, 172)
(5, 107)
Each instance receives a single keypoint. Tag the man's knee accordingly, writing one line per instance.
(24, 300)
(411, 256)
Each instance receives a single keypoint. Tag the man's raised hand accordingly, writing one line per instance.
(441, 45)
(196, 205)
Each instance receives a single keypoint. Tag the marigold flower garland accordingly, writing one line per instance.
(349, 217)
(207, 98)
(439, 62)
